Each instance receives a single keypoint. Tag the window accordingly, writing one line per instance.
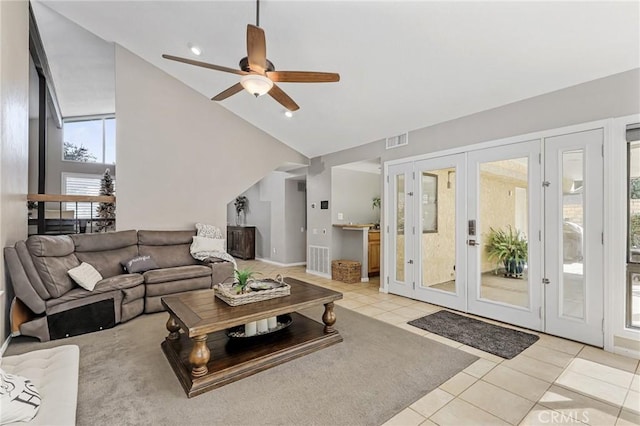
(82, 184)
(90, 141)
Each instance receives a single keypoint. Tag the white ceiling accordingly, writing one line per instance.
(403, 65)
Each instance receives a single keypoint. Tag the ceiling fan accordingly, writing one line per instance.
(258, 73)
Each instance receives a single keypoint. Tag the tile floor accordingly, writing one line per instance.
(554, 381)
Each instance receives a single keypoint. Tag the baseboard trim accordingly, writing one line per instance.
(284, 265)
(319, 274)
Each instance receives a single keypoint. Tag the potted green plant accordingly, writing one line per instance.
(376, 203)
(242, 278)
(510, 248)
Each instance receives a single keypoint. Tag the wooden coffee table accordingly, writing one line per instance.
(204, 357)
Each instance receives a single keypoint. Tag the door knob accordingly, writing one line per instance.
(473, 243)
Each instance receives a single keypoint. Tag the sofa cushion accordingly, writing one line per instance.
(50, 245)
(54, 372)
(19, 399)
(104, 241)
(164, 238)
(30, 270)
(169, 256)
(108, 262)
(106, 285)
(176, 274)
(53, 272)
(139, 264)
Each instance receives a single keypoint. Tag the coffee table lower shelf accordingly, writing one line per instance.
(234, 359)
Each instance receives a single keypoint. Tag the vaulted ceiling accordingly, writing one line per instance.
(403, 65)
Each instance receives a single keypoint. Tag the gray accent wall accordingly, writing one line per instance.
(612, 96)
(14, 138)
(181, 157)
(277, 209)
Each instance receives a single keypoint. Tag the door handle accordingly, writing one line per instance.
(410, 262)
(473, 242)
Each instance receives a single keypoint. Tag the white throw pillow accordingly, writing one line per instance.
(19, 399)
(85, 275)
(208, 231)
(201, 244)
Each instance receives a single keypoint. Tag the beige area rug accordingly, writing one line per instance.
(376, 372)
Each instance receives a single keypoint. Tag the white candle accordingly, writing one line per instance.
(263, 326)
(273, 322)
(250, 329)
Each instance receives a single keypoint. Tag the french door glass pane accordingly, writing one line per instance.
(504, 226)
(400, 220)
(438, 224)
(572, 290)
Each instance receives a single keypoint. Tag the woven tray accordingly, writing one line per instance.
(226, 293)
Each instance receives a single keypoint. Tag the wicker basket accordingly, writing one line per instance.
(226, 293)
(347, 271)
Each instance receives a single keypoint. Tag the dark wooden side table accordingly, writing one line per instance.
(241, 241)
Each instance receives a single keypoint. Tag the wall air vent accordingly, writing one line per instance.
(318, 260)
(396, 141)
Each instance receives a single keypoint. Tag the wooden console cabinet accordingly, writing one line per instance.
(374, 253)
(241, 241)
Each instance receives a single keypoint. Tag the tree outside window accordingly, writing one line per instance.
(90, 141)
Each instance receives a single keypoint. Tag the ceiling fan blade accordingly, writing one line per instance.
(303, 76)
(284, 99)
(204, 65)
(256, 49)
(229, 92)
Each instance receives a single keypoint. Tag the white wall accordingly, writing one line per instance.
(181, 157)
(352, 194)
(14, 139)
(277, 209)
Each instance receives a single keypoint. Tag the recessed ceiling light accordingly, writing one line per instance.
(288, 114)
(194, 49)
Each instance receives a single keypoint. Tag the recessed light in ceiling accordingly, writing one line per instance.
(288, 114)
(194, 49)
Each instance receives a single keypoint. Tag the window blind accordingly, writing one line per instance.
(82, 185)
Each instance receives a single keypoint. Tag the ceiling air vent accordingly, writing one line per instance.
(396, 141)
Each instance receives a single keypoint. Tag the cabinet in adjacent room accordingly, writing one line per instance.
(241, 241)
(374, 253)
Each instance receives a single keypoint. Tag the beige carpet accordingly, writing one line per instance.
(376, 372)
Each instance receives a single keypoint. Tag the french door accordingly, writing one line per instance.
(548, 193)
(427, 242)
(505, 195)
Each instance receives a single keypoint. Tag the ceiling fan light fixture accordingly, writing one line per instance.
(256, 84)
(288, 114)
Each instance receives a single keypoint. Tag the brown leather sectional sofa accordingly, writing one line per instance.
(38, 270)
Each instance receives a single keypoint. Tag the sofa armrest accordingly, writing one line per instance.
(21, 285)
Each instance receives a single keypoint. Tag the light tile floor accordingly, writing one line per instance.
(555, 381)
